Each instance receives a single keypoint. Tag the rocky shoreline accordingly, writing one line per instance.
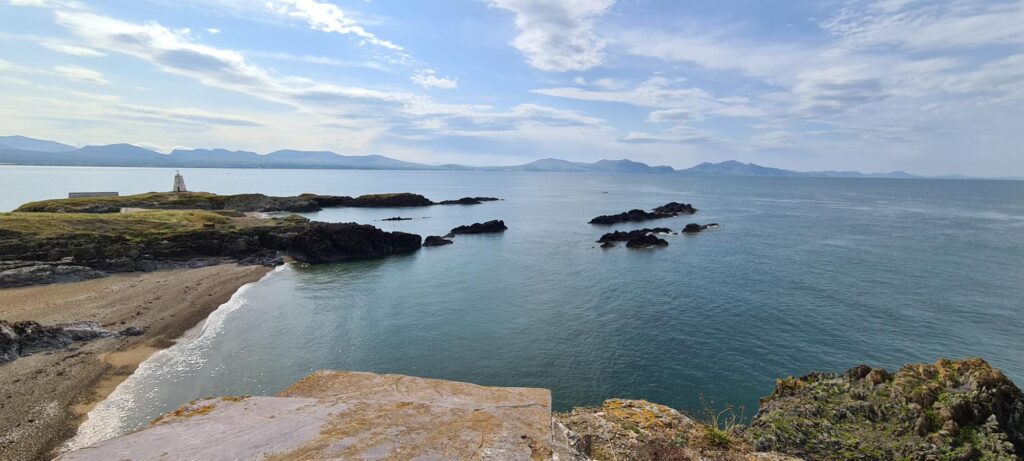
(949, 410)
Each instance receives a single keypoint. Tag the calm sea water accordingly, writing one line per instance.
(803, 274)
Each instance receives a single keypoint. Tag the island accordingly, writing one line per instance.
(668, 210)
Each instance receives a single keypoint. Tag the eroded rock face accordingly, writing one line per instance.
(23, 338)
(961, 410)
(488, 227)
(351, 415)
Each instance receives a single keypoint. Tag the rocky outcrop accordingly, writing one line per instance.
(694, 228)
(238, 202)
(646, 241)
(638, 430)
(958, 410)
(22, 273)
(351, 415)
(667, 210)
(436, 241)
(468, 201)
(336, 242)
(488, 227)
(23, 338)
(397, 218)
(71, 248)
(625, 236)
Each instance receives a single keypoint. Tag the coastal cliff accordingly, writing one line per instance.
(950, 410)
(58, 247)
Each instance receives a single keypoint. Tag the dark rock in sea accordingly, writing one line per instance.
(645, 241)
(436, 241)
(468, 201)
(676, 208)
(336, 242)
(23, 338)
(606, 245)
(665, 211)
(964, 410)
(694, 228)
(621, 236)
(131, 331)
(480, 228)
(397, 218)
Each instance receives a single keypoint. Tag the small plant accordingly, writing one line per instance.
(719, 423)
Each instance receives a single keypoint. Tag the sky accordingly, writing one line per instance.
(926, 87)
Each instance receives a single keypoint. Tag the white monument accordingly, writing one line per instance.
(179, 182)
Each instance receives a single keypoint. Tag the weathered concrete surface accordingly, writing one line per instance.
(351, 415)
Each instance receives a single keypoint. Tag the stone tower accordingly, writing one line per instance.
(179, 182)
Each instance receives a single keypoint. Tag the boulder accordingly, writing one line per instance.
(488, 227)
(436, 241)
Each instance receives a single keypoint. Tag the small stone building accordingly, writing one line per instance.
(179, 183)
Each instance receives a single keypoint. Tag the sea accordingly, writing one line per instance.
(802, 275)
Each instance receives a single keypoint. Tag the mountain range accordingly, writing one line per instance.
(20, 150)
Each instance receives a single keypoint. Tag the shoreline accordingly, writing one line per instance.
(46, 396)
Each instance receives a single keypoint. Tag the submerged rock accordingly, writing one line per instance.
(667, 210)
(607, 245)
(963, 410)
(488, 227)
(23, 338)
(436, 241)
(646, 241)
(624, 236)
(397, 218)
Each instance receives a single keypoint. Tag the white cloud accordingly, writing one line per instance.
(657, 92)
(81, 74)
(327, 17)
(72, 49)
(429, 79)
(558, 35)
(213, 31)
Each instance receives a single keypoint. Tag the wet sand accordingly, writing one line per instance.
(43, 397)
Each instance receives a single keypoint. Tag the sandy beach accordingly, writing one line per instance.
(43, 397)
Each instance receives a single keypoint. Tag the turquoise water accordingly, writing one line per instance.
(803, 274)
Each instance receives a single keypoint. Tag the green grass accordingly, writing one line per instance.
(166, 199)
(47, 225)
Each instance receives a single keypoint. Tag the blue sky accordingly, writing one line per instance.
(929, 87)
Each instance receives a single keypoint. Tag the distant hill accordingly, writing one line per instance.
(20, 150)
(34, 145)
(602, 166)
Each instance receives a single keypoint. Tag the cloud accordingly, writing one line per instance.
(327, 17)
(677, 135)
(558, 35)
(658, 92)
(81, 74)
(213, 31)
(428, 79)
(72, 49)
(936, 26)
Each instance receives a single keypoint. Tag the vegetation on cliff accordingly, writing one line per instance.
(237, 202)
(149, 240)
(948, 411)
